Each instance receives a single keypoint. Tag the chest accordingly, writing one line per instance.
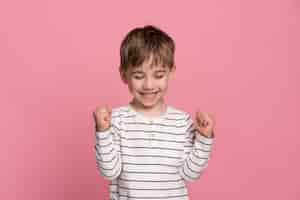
(152, 143)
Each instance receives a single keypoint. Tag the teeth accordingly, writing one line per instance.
(148, 93)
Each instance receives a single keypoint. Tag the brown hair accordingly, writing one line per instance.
(141, 43)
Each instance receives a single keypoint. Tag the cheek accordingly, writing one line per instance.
(163, 83)
(134, 84)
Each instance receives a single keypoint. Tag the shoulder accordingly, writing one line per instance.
(178, 114)
(187, 121)
(179, 117)
(118, 111)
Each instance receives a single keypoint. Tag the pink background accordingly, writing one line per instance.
(237, 59)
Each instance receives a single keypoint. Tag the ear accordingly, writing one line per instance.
(123, 75)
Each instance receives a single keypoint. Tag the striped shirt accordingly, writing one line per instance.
(151, 158)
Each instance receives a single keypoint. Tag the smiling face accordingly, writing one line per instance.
(148, 84)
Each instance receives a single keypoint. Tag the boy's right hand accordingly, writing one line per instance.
(102, 116)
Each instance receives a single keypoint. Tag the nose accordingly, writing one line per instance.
(148, 84)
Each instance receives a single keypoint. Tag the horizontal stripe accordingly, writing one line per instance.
(114, 166)
(153, 131)
(103, 145)
(203, 150)
(176, 113)
(158, 189)
(139, 172)
(195, 163)
(158, 197)
(175, 119)
(99, 136)
(197, 140)
(129, 116)
(156, 124)
(153, 139)
(106, 161)
(113, 175)
(157, 181)
(151, 156)
(162, 148)
(159, 164)
(116, 116)
(151, 185)
(104, 153)
(190, 169)
(194, 154)
(187, 175)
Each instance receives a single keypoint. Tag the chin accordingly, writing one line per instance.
(149, 105)
(146, 104)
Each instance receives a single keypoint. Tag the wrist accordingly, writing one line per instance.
(101, 129)
(206, 134)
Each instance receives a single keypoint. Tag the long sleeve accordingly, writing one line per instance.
(197, 149)
(107, 148)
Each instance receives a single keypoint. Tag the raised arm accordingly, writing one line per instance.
(197, 150)
(108, 158)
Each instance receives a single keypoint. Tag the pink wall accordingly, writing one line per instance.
(238, 59)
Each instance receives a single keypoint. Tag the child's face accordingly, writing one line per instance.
(148, 84)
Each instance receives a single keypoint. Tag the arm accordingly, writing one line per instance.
(107, 148)
(197, 151)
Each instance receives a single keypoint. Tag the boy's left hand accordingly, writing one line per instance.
(204, 124)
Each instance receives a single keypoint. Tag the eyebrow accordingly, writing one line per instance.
(141, 72)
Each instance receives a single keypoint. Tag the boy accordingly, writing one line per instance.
(148, 149)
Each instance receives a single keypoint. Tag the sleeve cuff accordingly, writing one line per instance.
(103, 134)
(205, 139)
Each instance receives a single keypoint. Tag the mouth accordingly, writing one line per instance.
(148, 95)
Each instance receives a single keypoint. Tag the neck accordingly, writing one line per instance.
(155, 111)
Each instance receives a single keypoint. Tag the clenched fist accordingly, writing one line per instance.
(102, 116)
(205, 123)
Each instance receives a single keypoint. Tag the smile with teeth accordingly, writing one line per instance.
(148, 95)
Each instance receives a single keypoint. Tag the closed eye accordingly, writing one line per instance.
(138, 77)
(159, 76)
